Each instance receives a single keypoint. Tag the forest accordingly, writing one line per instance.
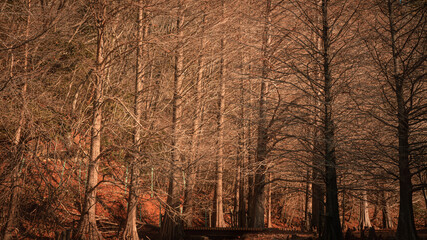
(124, 117)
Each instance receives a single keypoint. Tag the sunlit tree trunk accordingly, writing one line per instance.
(218, 199)
(197, 125)
(171, 228)
(364, 221)
(219, 212)
(257, 218)
(130, 231)
(243, 154)
(87, 228)
(270, 207)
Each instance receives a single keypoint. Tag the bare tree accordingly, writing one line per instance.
(130, 231)
(257, 219)
(87, 224)
(172, 224)
(320, 64)
(218, 204)
(399, 54)
(188, 205)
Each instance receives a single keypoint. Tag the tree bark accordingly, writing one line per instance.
(197, 125)
(307, 203)
(130, 231)
(257, 218)
(317, 185)
(317, 199)
(218, 205)
(218, 208)
(87, 228)
(332, 223)
(269, 211)
(364, 220)
(387, 222)
(242, 156)
(172, 224)
(406, 225)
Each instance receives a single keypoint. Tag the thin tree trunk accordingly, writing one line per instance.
(250, 156)
(130, 231)
(425, 204)
(251, 176)
(243, 154)
(269, 223)
(239, 201)
(218, 205)
(197, 125)
(219, 212)
(171, 228)
(307, 207)
(87, 228)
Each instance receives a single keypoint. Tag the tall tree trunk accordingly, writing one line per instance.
(239, 204)
(332, 223)
(250, 156)
(218, 208)
(197, 125)
(130, 231)
(251, 175)
(364, 220)
(406, 225)
(235, 213)
(171, 228)
(242, 156)
(87, 228)
(218, 204)
(257, 218)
